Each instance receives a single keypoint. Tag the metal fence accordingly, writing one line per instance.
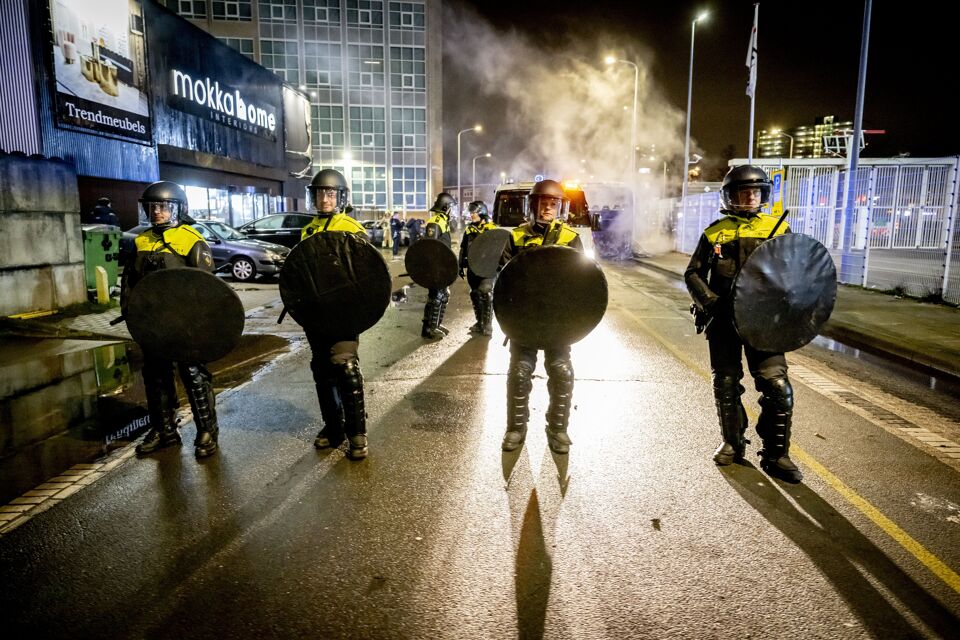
(901, 235)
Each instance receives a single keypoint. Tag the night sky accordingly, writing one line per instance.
(809, 54)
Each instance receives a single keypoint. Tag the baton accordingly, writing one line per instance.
(282, 315)
(117, 320)
(779, 222)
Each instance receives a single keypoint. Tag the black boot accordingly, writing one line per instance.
(560, 388)
(774, 425)
(431, 317)
(475, 299)
(519, 384)
(331, 435)
(733, 419)
(486, 313)
(350, 386)
(444, 299)
(199, 384)
(161, 406)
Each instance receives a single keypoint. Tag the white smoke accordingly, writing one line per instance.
(567, 114)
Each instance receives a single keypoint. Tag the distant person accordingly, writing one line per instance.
(414, 229)
(438, 228)
(396, 229)
(481, 289)
(721, 251)
(102, 213)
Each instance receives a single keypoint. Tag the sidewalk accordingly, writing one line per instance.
(899, 328)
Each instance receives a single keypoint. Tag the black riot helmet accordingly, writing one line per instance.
(162, 198)
(480, 208)
(737, 194)
(329, 179)
(547, 190)
(445, 203)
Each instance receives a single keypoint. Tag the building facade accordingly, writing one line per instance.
(805, 141)
(372, 71)
(127, 92)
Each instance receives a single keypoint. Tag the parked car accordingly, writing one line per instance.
(232, 251)
(375, 231)
(280, 228)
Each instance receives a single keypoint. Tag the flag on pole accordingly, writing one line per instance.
(752, 53)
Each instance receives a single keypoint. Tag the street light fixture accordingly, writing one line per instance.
(478, 128)
(610, 60)
(780, 132)
(473, 182)
(686, 140)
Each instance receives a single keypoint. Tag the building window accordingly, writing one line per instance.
(321, 62)
(407, 15)
(368, 187)
(365, 12)
(195, 9)
(233, 10)
(408, 68)
(410, 187)
(367, 128)
(409, 128)
(278, 10)
(321, 11)
(281, 57)
(365, 64)
(326, 121)
(243, 45)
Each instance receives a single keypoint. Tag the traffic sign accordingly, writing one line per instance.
(776, 194)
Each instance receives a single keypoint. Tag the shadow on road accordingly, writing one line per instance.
(861, 573)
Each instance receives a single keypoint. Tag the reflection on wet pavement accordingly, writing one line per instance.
(67, 403)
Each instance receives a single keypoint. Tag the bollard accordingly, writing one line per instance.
(103, 286)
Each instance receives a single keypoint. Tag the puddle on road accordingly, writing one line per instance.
(68, 404)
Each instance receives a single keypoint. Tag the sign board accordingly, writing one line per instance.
(99, 68)
(776, 193)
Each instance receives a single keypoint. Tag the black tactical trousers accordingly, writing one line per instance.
(523, 362)
(481, 295)
(339, 382)
(162, 397)
(769, 372)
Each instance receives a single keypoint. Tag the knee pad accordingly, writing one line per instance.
(560, 370)
(727, 387)
(485, 287)
(777, 393)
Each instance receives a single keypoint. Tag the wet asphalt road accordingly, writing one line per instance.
(635, 534)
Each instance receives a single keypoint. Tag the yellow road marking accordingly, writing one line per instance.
(901, 537)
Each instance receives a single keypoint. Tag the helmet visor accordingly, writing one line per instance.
(546, 209)
(160, 212)
(746, 198)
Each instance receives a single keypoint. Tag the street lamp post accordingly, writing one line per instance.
(780, 132)
(478, 128)
(633, 128)
(686, 140)
(473, 180)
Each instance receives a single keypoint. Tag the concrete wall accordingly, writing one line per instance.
(41, 248)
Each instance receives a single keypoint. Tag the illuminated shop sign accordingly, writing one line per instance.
(221, 103)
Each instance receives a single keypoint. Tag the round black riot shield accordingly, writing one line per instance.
(784, 293)
(549, 297)
(486, 251)
(335, 283)
(431, 263)
(184, 315)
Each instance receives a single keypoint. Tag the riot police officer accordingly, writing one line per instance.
(171, 243)
(546, 206)
(722, 250)
(438, 228)
(335, 364)
(481, 289)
